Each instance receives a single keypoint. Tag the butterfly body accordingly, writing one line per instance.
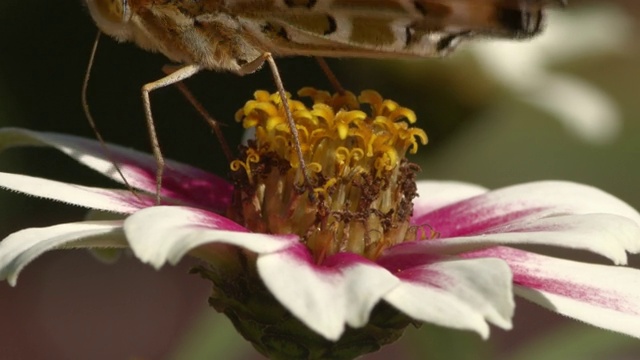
(228, 34)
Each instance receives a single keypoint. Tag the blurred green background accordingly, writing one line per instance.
(485, 126)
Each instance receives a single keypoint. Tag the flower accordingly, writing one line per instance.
(584, 109)
(340, 266)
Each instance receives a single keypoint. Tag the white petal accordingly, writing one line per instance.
(20, 248)
(608, 235)
(180, 181)
(166, 233)
(604, 296)
(325, 298)
(437, 194)
(459, 294)
(119, 201)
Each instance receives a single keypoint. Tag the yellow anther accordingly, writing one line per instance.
(372, 98)
(304, 114)
(330, 183)
(420, 134)
(352, 116)
(252, 157)
(315, 167)
(261, 95)
(343, 130)
(276, 99)
(403, 113)
(240, 114)
(237, 164)
(324, 190)
(317, 96)
(384, 123)
(387, 107)
(348, 101)
(324, 112)
(317, 135)
(273, 122)
(356, 154)
(303, 133)
(387, 161)
(297, 105)
(342, 154)
(256, 107)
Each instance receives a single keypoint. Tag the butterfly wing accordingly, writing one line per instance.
(385, 28)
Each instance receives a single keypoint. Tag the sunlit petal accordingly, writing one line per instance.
(20, 248)
(164, 234)
(436, 194)
(460, 294)
(180, 181)
(608, 235)
(342, 291)
(542, 199)
(119, 201)
(604, 296)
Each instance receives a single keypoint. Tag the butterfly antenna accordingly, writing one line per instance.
(92, 123)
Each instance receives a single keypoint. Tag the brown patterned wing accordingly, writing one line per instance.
(387, 28)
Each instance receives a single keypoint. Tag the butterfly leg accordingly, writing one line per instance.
(333, 79)
(253, 66)
(215, 126)
(176, 76)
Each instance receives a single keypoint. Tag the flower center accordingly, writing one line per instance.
(362, 184)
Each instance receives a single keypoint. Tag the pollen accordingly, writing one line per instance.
(355, 150)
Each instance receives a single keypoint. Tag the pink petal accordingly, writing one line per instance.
(180, 182)
(325, 297)
(162, 234)
(460, 294)
(119, 201)
(20, 248)
(604, 296)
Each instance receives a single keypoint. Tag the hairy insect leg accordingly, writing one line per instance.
(215, 126)
(180, 74)
(253, 66)
(91, 121)
(331, 76)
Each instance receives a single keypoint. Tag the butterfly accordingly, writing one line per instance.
(241, 35)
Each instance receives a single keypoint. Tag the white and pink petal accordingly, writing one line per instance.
(550, 212)
(181, 182)
(460, 294)
(611, 236)
(20, 248)
(433, 195)
(341, 291)
(542, 199)
(118, 201)
(164, 234)
(600, 295)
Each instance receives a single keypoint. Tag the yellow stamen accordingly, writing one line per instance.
(356, 159)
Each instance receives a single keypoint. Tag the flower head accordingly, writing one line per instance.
(363, 258)
(363, 186)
